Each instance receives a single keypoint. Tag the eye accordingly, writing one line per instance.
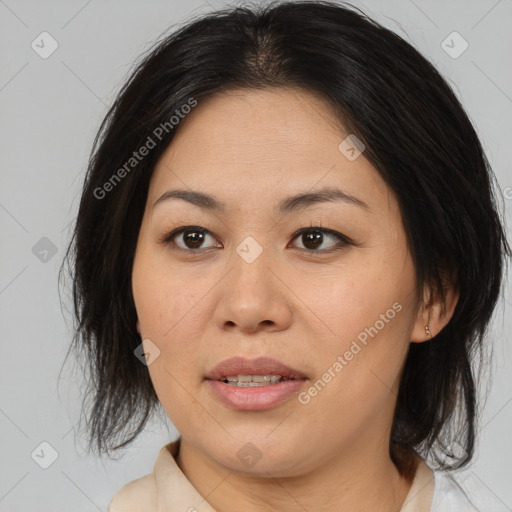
(191, 238)
(312, 238)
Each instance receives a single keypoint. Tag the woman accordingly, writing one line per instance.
(288, 238)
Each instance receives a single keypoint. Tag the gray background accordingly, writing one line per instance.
(50, 110)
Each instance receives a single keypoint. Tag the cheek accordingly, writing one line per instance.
(170, 314)
(165, 298)
(173, 317)
(347, 303)
(366, 314)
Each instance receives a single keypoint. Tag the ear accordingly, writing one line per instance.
(434, 312)
(138, 326)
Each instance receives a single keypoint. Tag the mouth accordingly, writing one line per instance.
(254, 384)
(261, 371)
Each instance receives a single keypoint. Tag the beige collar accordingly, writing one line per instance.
(175, 492)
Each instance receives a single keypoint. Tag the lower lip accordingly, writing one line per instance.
(257, 398)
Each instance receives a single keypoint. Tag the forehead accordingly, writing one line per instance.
(242, 124)
(257, 144)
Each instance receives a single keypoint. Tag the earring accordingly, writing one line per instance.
(427, 331)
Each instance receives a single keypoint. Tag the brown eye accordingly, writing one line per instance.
(193, 239)
(190, 238)
(313, 238)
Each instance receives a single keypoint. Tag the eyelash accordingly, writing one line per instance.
(343, 240)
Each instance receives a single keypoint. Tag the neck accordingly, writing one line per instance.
(351, 482)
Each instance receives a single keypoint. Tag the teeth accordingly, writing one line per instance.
(253, 380)
(261, 378)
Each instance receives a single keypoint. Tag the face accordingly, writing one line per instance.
(333, 304)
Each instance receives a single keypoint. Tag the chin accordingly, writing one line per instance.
(262, 455)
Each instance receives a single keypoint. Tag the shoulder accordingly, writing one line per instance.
(449, 495)
(135, 496)
(141, 494)
(463, 492)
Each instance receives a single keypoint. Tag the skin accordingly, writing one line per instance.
(250, 149)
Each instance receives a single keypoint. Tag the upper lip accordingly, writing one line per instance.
(256, 366)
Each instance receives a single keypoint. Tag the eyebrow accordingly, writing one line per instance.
(293, 203)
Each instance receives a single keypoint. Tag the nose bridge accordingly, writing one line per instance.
(251, 266)
(252, 295)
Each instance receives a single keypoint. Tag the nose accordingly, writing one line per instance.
(254, 297)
